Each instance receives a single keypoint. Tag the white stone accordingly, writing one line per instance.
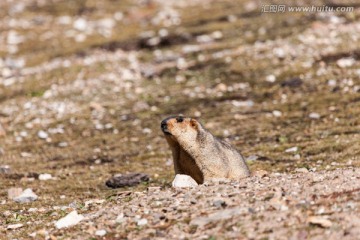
(301, 170)
(142, 222)
(183, 181)
(26, 196)
(118, 16)
(69, 220)
(120, 218)
(15, 226)
(332, 82)
(25, 154)
(271, 78)
(204, 39)
(163, 32)
(292, 149)
(279, 52)
(80, 24)
(217, 35)
(14, 38)
(320, 220)
(314, 115)
(247, 103)
(45, 176)
(63, 144)
(345, 62)
(277, 113)
(42, 134)
(101, 232)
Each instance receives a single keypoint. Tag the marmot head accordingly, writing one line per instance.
(181, 128)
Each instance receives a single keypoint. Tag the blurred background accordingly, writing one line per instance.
(84, 85)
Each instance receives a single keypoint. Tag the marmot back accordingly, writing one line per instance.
(199, 154)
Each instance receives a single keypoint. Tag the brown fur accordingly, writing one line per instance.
(197, 153)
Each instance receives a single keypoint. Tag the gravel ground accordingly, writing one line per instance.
(309, 205)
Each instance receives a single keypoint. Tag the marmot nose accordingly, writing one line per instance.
(164, 125)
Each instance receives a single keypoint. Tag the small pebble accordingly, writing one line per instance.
(45, 176)
(71, 219)
(101, 232)
(314, 115)
(42, 134)
(183, 181)
(277, 113)
(26, 196)
(142, 222)
(14, 226)
(292, 149)
(5, 169)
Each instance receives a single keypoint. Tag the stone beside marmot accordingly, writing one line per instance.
(197, 153)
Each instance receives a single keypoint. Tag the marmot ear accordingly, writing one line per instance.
(193, 123)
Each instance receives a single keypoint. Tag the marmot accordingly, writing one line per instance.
(199, 154)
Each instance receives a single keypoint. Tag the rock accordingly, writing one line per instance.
(183, 181)
(101, 232)
(4, 169)
(332, 82)
(252, 158)
(219, 203)
(292, 149)
(277, 113)
(26, 196)
(247, 103)
(142, 222)
(25, 154)
(345, 62)
(69, 220)
(221, 87)
(319, 221)
(45, 176)
(14, 226)
(80, 24)
(292, 82)
(301, 170)
(120, 218)
(270, 78)
(127, 180)
(14, 38)
(314, 115)
(279, 52)
(42, 134)
(14, 192)
(63, 144)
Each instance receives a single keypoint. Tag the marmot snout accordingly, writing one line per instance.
(197, 153)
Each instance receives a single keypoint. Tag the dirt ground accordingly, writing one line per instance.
(84, 85)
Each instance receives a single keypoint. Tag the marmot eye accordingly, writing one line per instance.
(179, 119)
